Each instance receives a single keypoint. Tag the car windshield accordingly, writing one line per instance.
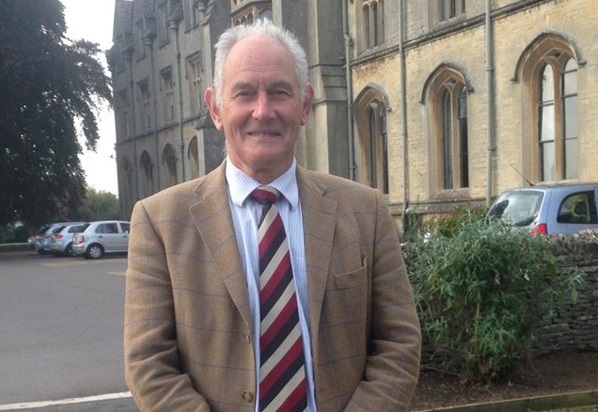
(518, 208)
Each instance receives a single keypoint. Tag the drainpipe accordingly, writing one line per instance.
(349, 81)
(490, 102)
(129, 57)
(404, 112)
(149, 44)
(174, 26)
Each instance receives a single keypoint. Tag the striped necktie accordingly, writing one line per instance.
(283, 386)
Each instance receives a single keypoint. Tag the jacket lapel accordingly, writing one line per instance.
(319, 220)
(213, 220)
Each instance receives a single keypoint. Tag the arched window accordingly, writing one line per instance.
(169, 160)
(447, 109)
(548, 72)
(146, 175)
(372, 141)
(446, 100)
(372, 22)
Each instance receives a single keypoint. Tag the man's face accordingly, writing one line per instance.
(262, 110)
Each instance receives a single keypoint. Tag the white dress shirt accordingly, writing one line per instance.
(246, 214)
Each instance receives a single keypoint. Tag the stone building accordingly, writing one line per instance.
(433, 102)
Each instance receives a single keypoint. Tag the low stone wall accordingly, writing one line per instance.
(573, 325)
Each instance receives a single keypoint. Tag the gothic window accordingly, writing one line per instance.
(447, 108)
(557, 115)
(122, 101)
(372, 20)
(445, 10)
(169, 160)
(550, 136)
(145, 104)
(139, 46)
(194, 77)
(146, 174)
(372, 144)
(190, 14)
(167, 86)
(162, 24)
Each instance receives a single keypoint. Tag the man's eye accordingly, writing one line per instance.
(280, 94)
(244, 94)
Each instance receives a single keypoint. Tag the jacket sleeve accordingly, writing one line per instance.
(393, 359)
(152, 366)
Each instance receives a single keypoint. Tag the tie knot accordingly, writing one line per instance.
(265, 195)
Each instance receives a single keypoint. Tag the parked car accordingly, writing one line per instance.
(61, 241)
(42, 240)
(565, 208)
(97, 238)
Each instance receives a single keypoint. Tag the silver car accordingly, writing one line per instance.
(61, 241)
(97, 238)
(566, 208)
(42, 240)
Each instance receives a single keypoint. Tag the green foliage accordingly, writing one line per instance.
(461, 217)
(99, 206)
(412, 225)
(13, 233)
(482, 291)
(46, 83)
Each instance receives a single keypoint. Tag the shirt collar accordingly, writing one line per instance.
(240, 185)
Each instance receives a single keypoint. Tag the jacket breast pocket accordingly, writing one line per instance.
(352, 279)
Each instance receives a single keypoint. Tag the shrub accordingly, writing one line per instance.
(482, 291)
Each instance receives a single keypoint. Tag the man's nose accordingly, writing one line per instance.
(263, 107)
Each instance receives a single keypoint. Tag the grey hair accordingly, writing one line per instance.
(261, 28)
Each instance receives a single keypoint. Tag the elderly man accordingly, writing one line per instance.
(264, 286)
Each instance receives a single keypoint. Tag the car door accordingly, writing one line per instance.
(123, 239)
(108, 236)
(577, 212)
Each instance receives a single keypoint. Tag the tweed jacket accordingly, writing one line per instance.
(188, 324)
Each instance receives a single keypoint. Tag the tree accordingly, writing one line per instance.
(47, 82)
(98, 205)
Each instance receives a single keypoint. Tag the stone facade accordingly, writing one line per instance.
(161, 64)
(438, 51)
(422, 99)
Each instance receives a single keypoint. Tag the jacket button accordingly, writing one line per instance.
(247, 396)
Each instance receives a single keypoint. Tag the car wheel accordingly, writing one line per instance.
(94, 252)
(69, 250)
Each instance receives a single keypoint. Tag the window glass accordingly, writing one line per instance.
(547, 84)
(548, 162)
(578, 208)
(518, 208)
(570, 78)
(75, 229)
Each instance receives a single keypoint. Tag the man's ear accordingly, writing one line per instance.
(210, 98)
(309, 98)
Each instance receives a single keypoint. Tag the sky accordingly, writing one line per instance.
(93, 20)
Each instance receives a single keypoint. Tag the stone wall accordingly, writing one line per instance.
(573, 325)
